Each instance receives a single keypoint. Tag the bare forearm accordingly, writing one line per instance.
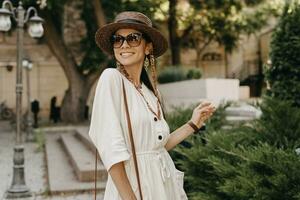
(200, 114)
(119, 176)
(178, 136)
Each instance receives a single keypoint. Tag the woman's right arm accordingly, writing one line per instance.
(106, 131)
(119, 176)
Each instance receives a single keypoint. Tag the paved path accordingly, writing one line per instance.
(34, 169)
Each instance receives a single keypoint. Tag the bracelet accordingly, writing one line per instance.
(196, 129)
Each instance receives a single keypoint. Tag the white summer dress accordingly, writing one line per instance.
(160, 180)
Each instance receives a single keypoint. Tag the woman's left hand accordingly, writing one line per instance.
(202, 112)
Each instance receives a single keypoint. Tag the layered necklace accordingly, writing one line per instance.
(138, 87)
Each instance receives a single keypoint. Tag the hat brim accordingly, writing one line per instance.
(103, 37)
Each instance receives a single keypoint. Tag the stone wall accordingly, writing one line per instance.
(47, 78)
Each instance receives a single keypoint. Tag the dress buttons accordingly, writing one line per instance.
(160, 137)
(155, 119)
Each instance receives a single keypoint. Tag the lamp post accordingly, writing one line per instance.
(18, 188)
(27, 64)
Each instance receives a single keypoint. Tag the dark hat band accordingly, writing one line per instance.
(131, 21)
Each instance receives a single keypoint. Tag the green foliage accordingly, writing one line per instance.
(279, 124)
(225, 21)
(284, 73)
(247, 162)
(92, 55)
(171, 74)
(178, 117)
(193, 73)
(223, 169)
(39, 138)
(174, 73)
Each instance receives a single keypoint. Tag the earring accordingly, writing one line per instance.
(146, 63)
(152, 60)
(153, 71)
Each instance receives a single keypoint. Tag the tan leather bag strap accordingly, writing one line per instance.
(95, 190)
(132, 141)
(132, 147)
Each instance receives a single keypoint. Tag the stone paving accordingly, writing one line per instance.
(35, 169)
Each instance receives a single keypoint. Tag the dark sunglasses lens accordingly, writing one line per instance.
(133, 39)
(117, 41)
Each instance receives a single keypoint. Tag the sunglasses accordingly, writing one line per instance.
(133, 40)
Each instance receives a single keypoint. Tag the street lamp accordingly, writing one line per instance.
(18, 188)
(27, 64)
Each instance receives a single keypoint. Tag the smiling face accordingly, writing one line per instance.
(131, 55)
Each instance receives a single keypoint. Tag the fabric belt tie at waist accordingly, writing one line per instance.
(164, 170)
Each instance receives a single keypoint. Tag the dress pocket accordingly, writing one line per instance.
(179, 175)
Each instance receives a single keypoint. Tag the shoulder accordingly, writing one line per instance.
(110, 76)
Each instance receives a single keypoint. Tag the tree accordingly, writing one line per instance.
(82, 73)
(220, 21)
(173, 37)
(284, 72)
(226, 21)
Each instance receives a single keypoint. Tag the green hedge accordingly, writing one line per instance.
(248, 162)
(173, 74)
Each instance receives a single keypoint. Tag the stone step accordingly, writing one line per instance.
(243, 111)
(82, 135)
(82, 159)
(6, 126)
(238, 119)
(61, 176)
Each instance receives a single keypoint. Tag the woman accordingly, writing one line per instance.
(134, 43)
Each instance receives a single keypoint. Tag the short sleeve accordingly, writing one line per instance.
(105, 128)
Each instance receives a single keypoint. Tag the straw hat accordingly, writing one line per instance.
(134, 20)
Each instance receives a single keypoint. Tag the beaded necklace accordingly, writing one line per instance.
(138, 88)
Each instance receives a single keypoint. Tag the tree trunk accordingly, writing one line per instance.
(198, 57)
(200, 49)
(74, 102)
(260, 75)
(99, 13)
(226, 63)
(175, 41)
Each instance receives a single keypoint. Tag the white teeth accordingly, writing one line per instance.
(126, 54)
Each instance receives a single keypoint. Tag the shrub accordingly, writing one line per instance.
(284, 74)
(279, 124)
(247, 162)
(40, 140)
(181, 115)
(193, 74)
(173, 74)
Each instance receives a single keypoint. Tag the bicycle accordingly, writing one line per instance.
(5, 112)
